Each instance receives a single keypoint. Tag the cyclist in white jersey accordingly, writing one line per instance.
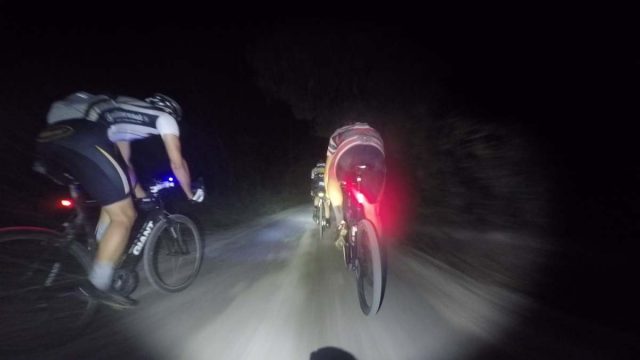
(83, 129)
(317, 186)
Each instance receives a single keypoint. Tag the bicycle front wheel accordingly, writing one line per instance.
(370, 269)
(40, 303)
(174, 253)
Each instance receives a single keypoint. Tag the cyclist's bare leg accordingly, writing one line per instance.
(342, 230)
(316, 201)
(121, 217)
(327, 208)
(335, 199)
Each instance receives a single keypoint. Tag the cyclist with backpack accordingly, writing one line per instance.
(89, 136)
(317, 187)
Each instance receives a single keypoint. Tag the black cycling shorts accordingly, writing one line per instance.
(374, 174)
(82, 148)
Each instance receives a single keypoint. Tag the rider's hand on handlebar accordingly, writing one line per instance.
(198, 196)
(198, 191)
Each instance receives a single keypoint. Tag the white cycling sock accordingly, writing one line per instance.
(101, 274)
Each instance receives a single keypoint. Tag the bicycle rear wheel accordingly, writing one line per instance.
(321, 220)
(174, 253)
(40, 304)
(370, 269)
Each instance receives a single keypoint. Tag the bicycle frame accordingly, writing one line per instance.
(79, 229)
(144, 226)
(353, 213)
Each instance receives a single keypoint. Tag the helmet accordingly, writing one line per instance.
(166, 104)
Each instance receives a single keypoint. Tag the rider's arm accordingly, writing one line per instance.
(178, 163)
(125, 150)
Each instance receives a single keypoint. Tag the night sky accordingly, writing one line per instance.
(569, 82)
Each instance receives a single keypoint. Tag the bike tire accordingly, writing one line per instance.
(321, 219)
(160, 241)
(41, 305)
(371, 270)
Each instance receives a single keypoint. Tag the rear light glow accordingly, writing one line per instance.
(66, 203)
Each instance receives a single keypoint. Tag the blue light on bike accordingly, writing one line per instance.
(170, 179)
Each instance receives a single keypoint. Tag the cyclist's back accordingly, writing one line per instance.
(83, 129)
(82, 133)
(83, 148)
(317, 177)
(350, 146)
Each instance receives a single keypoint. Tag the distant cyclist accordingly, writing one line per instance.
(355, 144)
(317, 186)
(89, 136)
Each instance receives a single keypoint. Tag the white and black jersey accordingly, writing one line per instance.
(129, 119)
(126, 118)
(80, 135)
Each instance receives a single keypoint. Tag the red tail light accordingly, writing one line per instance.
(360, 198)
(66, 203)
